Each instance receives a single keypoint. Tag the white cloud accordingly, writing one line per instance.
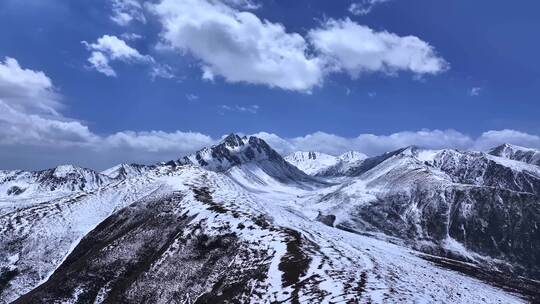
(131, 36)
(192, 97)
(253, 109)
(29, 108)
(364, 7)
(244, 4)
(491, 139)
(100, 63)
(126, 11)
(475, 91)
(116, 49)
(18, 127)
(158, 141)
(237, 45)
(229, 41)
(161, 71)
(357, 49)
(25, 89)
(109, 48)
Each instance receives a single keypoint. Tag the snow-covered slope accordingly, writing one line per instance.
(206, 239)
(236, 223)
(513, 152)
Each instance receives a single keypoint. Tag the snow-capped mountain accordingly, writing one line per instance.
(250, 159)
(232, 151)
(236, 223)
(311, 162)
(513, 152)
(320, 164)
(62, 179)
(123, 171)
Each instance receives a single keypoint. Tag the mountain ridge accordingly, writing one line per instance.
(147, 231)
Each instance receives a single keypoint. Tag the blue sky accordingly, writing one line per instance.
(441, 74)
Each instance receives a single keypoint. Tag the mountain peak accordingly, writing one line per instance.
(234, 140)
(231, 151)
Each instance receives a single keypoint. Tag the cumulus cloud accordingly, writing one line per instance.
(357, 49)
(29, 108)
(17, 127)
(229, 41)
(364, 7)
(109, 48)
(25, 89)
(237, 45)
(127, 11)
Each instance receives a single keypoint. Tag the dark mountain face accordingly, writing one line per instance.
(154, 252)
(492, 209)
(477, 217)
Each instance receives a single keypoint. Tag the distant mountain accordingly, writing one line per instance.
(320, 164)
(526, 155)
(123, 171)
(237, 223)
(62, 179)
(311, 162)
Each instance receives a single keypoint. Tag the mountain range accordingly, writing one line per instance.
(239, 223)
